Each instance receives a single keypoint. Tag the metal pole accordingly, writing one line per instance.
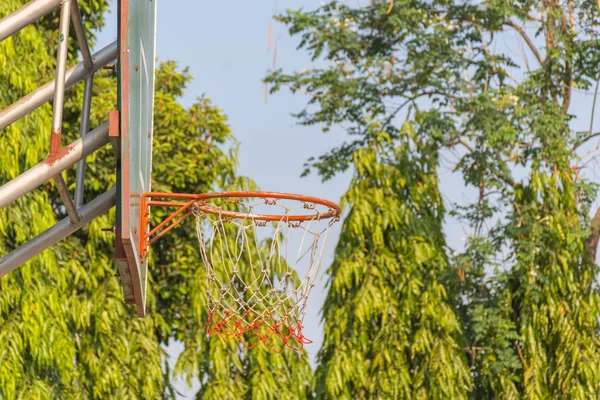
(33, 100)
(61, 68)
(81, 38)
(25, 15)
(57, 105)
(61, 230)
(83, 130)
(44, 171)
(63, 190)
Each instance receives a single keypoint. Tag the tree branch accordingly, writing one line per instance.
(410, 100)
(592, 240)
(594, 105)
(585, 139)
(521, 32)
(520, 354)
(591, 135)
(569, 25)
(498, 174)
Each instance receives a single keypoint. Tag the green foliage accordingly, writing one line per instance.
(65, 330)
(525, 288)
(389, 330)
(552, 286)
(514, 315)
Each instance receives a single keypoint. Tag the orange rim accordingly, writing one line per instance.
(334, 210)
(186, 202)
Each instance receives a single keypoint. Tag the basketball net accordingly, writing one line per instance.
(259, 272)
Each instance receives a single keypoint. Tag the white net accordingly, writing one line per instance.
(260, 272)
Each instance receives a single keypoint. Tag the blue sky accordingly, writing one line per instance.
(225, 46)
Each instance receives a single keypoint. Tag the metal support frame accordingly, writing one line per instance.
(59, 159)
(81, 38)
(53, 235)
(25, 16)
(83, 130)
(57, 105)
(42, 95)
(44, 171)
(88, 62)
(61, 68)
(63, 190)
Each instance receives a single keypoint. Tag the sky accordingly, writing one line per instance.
(224, 44)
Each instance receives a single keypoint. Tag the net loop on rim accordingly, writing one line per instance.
(261, 265)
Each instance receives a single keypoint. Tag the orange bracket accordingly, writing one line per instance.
(150, 235)
(113, 124)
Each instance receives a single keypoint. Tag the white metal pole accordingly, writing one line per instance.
(61, 68)
(57, 105)
(25, 15)
(61, 230)
(44, 171)
(33, 100)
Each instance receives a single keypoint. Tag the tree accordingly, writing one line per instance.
(389, 329)
(526, 287)
(66, 331)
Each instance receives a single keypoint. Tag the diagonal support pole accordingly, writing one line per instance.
(81, 37)
(61, 230)
(63, 190)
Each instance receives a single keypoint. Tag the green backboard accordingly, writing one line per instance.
(137, 44)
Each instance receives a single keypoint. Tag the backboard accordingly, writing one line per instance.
(137, 44)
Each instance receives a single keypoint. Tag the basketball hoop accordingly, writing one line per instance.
(262, 252)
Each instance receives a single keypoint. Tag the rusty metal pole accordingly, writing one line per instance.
(57, 106)
(63, 191)
(44, 171)
(61, 69)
